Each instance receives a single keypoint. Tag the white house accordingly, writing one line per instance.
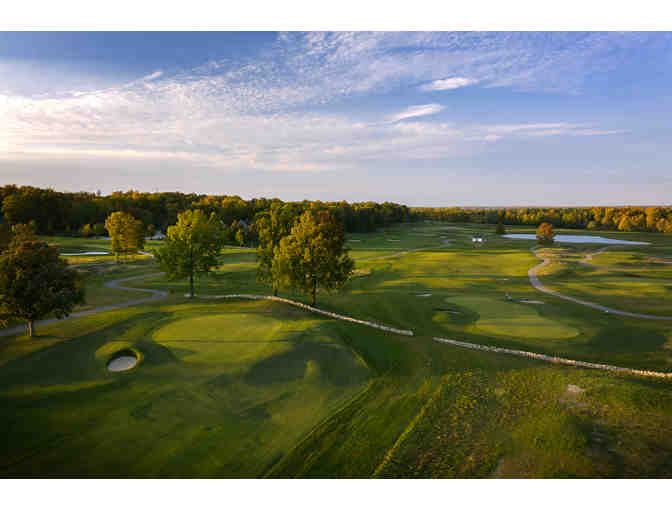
(157, 235)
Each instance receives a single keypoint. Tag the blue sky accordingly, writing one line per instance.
(421, 118)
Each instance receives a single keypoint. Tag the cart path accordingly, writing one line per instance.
(534, 280)
(114, 284)
(586, 260)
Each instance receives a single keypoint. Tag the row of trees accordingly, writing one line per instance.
(626, 219)
(85, 213)
(305, 252)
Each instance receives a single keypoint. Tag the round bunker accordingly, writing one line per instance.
(122, 361)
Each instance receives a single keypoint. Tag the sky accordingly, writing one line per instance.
(419, 118)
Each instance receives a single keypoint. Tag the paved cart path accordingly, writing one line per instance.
(534, 280)
(114, 284)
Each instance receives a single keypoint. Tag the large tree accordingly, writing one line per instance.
(271, 227)
(126, 233)
(313, 255)
(191, 246)
(545, 233)
(36, 282)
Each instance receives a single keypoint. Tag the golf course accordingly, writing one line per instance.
(222, 386)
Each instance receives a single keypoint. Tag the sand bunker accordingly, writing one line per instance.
(572, 388)
(423, 295)
(531, 302)
(123, 360)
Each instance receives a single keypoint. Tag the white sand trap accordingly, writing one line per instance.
(86, 253)
(122, 363)
(394, 240)
(355, 241)
(531, 302)
(572, 388)
(423, 295)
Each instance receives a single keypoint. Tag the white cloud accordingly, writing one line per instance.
(416, 111)
(251, 115)
(153, 76)
(448, 84)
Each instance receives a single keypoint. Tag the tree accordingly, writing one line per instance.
(500, 230)
(35, 282)
(191, 246)
(126, 234)
(240, 236)
(313, 255)
(86, 230)
(271, 227)
(99, 229)
(545, 233)
(5, 236)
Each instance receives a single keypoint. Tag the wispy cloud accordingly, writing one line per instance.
(448, 84)
(255, 114)
(416, 111)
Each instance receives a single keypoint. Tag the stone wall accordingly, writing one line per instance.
(322, 312)
(553, 359)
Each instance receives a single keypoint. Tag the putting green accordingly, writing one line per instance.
(507, 318)
(229, 338)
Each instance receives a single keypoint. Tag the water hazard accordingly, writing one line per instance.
(561, 238)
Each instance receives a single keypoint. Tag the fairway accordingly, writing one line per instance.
(504, 318)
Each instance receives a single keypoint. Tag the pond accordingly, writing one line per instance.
(561, 238)
(85, 253)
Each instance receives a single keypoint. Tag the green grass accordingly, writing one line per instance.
(220, 401)
(508, 318)
(628, 280)
(235, 388)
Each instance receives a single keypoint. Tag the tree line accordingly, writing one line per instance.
(52, 212)
(626, 219)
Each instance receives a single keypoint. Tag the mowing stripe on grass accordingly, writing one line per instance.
(554, 359)
(409, 428)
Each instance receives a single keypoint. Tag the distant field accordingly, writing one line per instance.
(236, 388)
